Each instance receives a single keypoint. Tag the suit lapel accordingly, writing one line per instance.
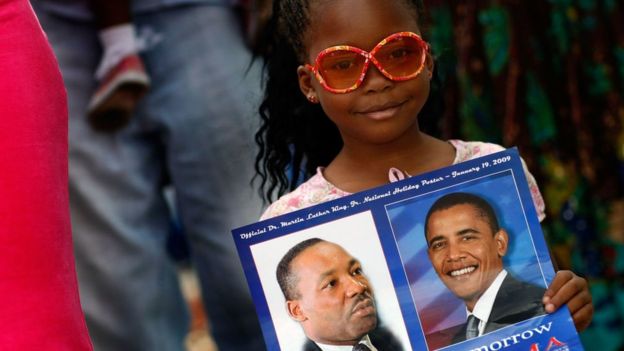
(511, 304)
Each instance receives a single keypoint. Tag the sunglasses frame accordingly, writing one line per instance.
(369, 57)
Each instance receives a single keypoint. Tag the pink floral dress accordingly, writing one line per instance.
(317, 189)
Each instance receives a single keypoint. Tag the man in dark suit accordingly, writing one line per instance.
(381, 338)
(466, 246)
(327, 292)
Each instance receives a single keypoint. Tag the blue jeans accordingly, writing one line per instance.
(194, 130)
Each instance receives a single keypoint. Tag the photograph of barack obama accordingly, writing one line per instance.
(466, 246)
(328, 294)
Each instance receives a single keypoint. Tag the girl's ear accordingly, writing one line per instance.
(305, 83)
(429, 64)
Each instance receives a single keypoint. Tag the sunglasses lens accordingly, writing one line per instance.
(402, 57)
(341, 69)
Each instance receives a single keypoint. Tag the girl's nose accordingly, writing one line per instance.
(375, 81)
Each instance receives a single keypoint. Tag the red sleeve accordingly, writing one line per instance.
(39, 304)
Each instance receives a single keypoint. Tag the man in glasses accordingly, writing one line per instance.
(466, 247)
(327, 292)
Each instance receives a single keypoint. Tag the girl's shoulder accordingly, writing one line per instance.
(467, 150)
(312, 192)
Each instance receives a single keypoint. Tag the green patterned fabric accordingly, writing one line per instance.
(548, 77)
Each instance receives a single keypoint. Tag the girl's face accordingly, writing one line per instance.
(380, 110)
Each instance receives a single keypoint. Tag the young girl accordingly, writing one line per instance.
(347, 82)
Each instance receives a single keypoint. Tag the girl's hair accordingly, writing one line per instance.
(295, 136)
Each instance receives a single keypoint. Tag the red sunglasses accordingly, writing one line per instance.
(341, 69)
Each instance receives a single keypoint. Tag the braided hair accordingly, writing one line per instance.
(295, 136)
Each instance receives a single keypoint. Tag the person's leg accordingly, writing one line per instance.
(201, 94)
(128, 286)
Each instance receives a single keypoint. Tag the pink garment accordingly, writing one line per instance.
(39, 304)
(317, 189)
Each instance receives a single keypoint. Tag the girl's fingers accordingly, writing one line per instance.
(583, 317)
(560, 290)
(568, 288)
(579, 301)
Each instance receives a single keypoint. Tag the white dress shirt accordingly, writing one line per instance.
(483, 307)
(365, 340)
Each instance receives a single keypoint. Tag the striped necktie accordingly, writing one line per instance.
(472, 327)
(361, 347)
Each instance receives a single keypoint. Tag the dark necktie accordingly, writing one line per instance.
(472, 327)
(361, 347)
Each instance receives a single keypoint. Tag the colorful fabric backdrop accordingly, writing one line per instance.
(548, 77)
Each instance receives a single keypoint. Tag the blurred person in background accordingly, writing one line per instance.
(192, 131)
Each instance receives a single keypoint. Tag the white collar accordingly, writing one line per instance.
(483, 307)
(365, 340)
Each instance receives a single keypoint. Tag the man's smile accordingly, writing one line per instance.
(462, 272)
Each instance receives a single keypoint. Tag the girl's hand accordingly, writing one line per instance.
(568, 288)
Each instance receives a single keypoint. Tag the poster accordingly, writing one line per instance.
(400, 266)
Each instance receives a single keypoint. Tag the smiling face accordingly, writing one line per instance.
(465, 253)
(334, 301)
(380, 110)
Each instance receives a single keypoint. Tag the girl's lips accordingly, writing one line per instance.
(382, 112)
